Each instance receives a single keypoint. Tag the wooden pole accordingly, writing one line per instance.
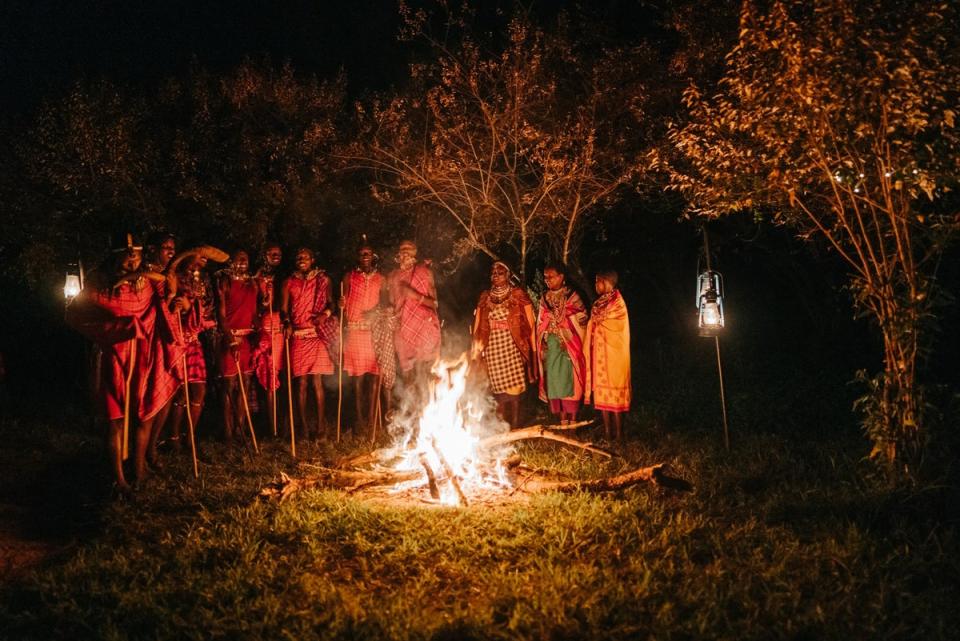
(186, 399)
(246, 404)
(126, 399)
(340, 369)
(293, 437)
(723, 396)
(273, 365)
(376, 418)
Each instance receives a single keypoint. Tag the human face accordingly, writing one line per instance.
(553, 279)
(273, 256)
(499, 275)
(304, 260)
(167, 250)
(407, 255)
(365, 258)
(603, 286)
(130, 262)
(240, 262)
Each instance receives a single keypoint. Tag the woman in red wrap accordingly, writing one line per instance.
(312, 330)
(237, 314)
(413, 295)
(503, 335)
(363, 287)
(561, 325)
(123, 310)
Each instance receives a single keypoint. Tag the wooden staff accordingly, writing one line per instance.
(340, 369)
(186, 398)
(273, 366)
(246, 404)
(293, 438)
(126, 399)
(376, 418)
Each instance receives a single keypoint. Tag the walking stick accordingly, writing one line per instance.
(273, 367)
(246, 404)
(340, 369)
(293, 438)
(186, 399)
(126, 399)
(376, 420)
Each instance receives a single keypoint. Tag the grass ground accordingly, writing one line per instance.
(784, 537)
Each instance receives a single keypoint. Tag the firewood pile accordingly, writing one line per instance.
(498, 476)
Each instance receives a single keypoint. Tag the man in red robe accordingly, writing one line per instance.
(196, 317)
(363, 287)
(237, 313)
(125, 313)
(413, 295)
(268, 355)
(311, 330)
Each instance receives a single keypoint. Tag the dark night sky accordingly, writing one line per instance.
(46, 44)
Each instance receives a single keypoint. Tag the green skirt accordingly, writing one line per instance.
(558, 369)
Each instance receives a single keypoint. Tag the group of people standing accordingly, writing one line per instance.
(155, 312)
(572, 357)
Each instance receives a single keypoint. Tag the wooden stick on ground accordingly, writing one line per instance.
(431, 477)
(544, 432)
(461, 497)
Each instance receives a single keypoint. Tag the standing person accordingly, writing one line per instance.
(561, 323)
(503, 335)
(413, 296)
(236, 313)
(608, 355)
(160, 250)
(196, 317)
(125, 313)
(305, 305)
(268, 356)
(362, 290)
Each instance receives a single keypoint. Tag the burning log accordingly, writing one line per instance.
(350, 481)
(544, 432)
(451, 477)
(431, 477)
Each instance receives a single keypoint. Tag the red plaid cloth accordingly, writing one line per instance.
(363, 296)
(418, 330)
(132, 313)
(384, 329)
(313, 346)
(270, 332)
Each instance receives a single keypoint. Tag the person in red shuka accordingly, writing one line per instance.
(123, 309)
(268, 356)
(363, 288)
(414, 299)
(237, 314)
(312, 331)
(196, 317)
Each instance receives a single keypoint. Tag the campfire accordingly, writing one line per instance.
(455, 453)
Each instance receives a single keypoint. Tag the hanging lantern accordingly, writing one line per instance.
(710, 303)
(71, 286)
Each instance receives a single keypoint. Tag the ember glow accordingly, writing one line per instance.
(445, 444)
